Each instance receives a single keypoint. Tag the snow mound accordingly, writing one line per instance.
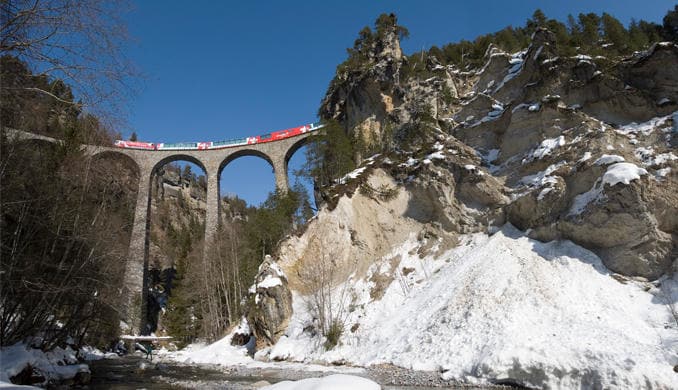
(220, 352)
(503, 308)
(622, 173)
(330, 382)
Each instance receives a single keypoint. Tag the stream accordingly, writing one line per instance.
(135, 372)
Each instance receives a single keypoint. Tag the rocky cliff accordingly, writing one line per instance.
(546, 136)
(573, 157)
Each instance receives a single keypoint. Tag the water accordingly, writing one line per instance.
(135, 372)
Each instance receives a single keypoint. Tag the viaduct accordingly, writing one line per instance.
(212, 161)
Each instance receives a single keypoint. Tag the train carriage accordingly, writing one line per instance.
(135, 145)
(178, 146)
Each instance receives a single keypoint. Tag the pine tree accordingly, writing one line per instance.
(637, 37)
(538, 20)
(589, 25)
(329, 155)
(615, 33)
(670, 25)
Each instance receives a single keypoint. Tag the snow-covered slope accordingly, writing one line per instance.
(502, 308)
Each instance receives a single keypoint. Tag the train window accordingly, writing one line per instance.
(265, 136)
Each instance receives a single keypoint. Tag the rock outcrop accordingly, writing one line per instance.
(522, 140)
(271, 303)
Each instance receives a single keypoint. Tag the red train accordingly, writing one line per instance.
(209, 145)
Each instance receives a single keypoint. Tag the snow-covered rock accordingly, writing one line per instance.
(622, 173)
(54, 366)
(271, 307)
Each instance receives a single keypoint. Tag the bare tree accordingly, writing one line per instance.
(329, 298)
(78, 41)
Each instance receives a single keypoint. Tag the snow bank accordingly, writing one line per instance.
(220, 352)
(622, 173)
(331, 382)
(11, 386)
(503, 308)
(223, 353)
(56, 365)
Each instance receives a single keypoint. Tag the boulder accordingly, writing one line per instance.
(171, 177)
(538, 207)
(242, 334)
(271, 303)
(623, 230)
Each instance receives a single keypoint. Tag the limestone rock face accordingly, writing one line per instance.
(654, 72)
(271, 305)
(625, 231)
(539, 206)
(529, 138)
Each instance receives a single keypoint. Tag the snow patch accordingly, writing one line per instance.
(269, 282)
(543, 177)
(491, 155)
(436, 156)
(645, 128)
(516, 62)
(545, 148)
(581, 57)
(622, 172)
(497, 110)
(351, 175)
(606, 159)
(330, 382)
(581, 201)
(663, 172)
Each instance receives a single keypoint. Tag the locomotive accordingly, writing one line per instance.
(209, 145)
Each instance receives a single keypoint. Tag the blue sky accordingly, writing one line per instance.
(222, 69)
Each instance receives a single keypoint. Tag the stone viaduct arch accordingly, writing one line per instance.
(276, 153)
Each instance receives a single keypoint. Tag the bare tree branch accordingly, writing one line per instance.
(79, 42)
